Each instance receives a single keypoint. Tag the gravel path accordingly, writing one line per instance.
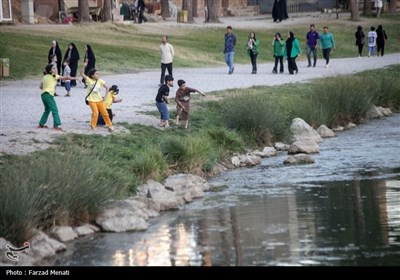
(21, 106)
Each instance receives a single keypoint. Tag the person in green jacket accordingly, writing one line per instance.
(291, 52)
(279, 50)
(327, 43)
(252, 50)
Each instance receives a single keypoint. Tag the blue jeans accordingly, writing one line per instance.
(309, 51)
(163, 109)
(229, 60)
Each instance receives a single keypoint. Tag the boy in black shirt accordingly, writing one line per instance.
(162, 100)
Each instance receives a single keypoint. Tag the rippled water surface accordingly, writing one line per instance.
(342, 210)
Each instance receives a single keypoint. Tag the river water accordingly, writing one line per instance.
(342, 210)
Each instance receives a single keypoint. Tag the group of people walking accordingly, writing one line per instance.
(376, 40)
(282, 49)
(290, 48)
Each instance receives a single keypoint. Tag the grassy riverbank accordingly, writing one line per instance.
(129, 48)
(67, 184)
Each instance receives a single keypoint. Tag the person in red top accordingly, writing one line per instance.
(182, 99)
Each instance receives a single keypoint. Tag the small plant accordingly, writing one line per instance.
(149, 163)
(188, 154)
(257, 117)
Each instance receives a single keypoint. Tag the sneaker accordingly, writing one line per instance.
(67, 95)
(55, 94)
(57, 128)
(327, 65)
(315, 65)
(309, 65)
(274, 72)
(233, 68)
(42, 126)
(110, 129)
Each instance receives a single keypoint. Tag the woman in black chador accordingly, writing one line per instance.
(90, 60)
(73, 55)
(279, 11)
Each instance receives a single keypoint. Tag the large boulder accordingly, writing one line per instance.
(306, 146)
(325, 132)
(301, 130)
(299, 159)
(123, 215)
(163, 198)
(247, 160)
(64, 234)
(186, 186)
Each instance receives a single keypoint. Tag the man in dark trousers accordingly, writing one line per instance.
(141, 7)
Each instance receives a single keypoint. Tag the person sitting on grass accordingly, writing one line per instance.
(182, 99)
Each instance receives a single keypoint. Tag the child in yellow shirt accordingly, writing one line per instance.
(111, 98)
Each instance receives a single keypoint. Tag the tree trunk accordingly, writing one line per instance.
(392, 6)
(367, 7)
(355, 14)
(212, 10)
(106, 11)
(187, 6)
(165, 9)
(61, 5)
(194, 8)
(83, 8)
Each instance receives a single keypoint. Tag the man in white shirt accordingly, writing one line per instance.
(378, 5)
(167, 56)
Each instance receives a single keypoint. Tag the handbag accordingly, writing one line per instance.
(87, 102)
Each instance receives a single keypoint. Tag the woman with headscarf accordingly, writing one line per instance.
(360, 40)
(380, 40)
(55, 50)
(279, 11)
(73, 55)
(90, 60)
(291, 52)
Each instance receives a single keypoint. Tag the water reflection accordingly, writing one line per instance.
(278, 215)
(339, 223)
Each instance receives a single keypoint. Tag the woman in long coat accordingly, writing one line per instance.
(73, 55)
(55, 49)
(89, 59)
